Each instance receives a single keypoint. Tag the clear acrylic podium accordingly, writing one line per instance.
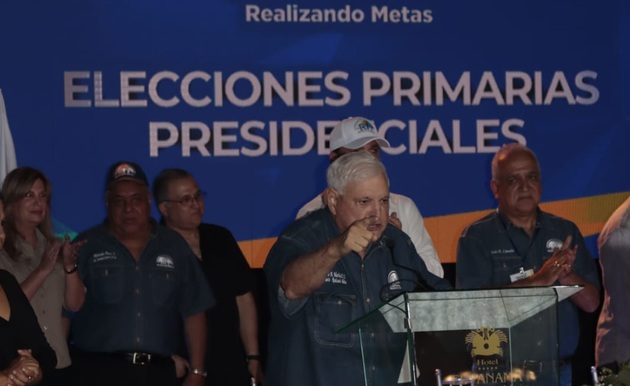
(482, 337)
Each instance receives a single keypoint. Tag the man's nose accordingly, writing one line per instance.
(376, 210)
(523, 184)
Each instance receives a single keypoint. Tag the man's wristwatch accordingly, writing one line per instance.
(201, 373)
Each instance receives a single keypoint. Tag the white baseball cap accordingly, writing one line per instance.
(355, 132)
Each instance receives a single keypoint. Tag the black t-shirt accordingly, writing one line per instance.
(228, 275)
(22, 331)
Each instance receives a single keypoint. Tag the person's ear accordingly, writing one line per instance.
(162, 209)
(494, 186)
(331, 199)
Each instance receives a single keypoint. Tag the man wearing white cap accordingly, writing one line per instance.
(358, 133)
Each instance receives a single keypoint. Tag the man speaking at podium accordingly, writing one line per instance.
(331, 267)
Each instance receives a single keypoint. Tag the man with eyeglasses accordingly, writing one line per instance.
(233, 356)
(142, 284)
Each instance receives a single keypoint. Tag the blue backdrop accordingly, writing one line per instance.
(244, 94)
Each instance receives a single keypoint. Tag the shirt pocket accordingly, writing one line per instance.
(107, 282)
(504, 266)
(163, 284)
(332, 312)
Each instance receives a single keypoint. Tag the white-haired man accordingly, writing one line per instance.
(329, 268)
(357, 134)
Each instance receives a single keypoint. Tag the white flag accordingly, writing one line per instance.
(8, 161)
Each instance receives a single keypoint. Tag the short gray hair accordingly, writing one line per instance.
(507, 149)
(353, 167)
(163, 180)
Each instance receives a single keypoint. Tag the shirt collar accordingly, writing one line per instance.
(507, 224)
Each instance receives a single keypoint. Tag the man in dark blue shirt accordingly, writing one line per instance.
(142, 283)
(520, 245)
(331, 267)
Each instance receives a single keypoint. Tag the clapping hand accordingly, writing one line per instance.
(559, 264)
(394, 220)
(70, 251)
(50, 256)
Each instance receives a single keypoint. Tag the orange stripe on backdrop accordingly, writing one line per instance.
(589, 213)
(256, 251)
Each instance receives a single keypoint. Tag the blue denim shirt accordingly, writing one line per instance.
(137, 305)
(304, 345)
(491, 249)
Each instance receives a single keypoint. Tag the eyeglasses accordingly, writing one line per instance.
(200, 196)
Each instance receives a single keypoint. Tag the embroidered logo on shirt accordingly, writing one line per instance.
(102, 256)
(553, 245)
(164, 261)
(336, 278)
(393, 281)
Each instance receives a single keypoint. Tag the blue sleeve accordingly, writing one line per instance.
(283, 252)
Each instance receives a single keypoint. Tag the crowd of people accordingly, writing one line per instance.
(130, 301)
(136, 301)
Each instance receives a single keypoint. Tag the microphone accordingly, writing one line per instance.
(421, 283)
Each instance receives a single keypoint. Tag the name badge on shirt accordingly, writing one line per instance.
(522, 274)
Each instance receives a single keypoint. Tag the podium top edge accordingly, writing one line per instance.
(560, 291)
